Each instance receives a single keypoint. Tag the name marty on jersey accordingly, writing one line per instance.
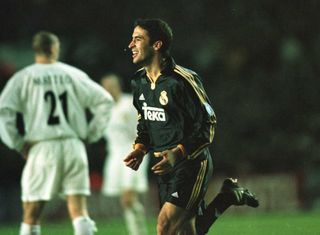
(58, 79)
(153, 114)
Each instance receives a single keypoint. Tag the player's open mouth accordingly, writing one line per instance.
(134, 54)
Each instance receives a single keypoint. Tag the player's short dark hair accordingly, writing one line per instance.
(157, 30)
(43, 41)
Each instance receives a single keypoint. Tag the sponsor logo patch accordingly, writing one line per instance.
(153, 114)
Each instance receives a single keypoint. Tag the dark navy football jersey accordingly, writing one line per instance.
(173, 110)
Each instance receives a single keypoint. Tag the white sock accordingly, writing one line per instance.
(83, 225)
(135, 220)
(29, 229)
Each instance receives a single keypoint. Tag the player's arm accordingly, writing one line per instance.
(142, 141)
(9, 106)
(140, 147)
(199, 134)
(201, 122)
(99, 102)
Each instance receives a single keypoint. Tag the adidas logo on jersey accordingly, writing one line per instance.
(175, 194)
(153, 114)
(141, 97)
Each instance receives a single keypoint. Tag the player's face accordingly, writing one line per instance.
(142, 51)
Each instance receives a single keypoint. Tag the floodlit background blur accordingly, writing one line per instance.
(260, 63)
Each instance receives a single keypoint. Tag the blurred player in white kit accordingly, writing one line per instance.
(120, 181)
(52, 97)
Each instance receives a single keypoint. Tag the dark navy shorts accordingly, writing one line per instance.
(187, 184)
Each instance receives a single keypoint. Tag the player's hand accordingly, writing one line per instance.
(134, 159)
(169, 159)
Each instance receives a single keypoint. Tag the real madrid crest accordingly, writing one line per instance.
(163, 99)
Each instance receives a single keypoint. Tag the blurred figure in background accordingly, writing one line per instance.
(52, 97)
(119, 180)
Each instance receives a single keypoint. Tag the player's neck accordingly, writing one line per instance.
(42, 59)
(117, 97)
(153, 75)
(154, 69)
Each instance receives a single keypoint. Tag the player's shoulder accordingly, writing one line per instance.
(186, 76)
(138, 74)
(189, 78)
(24, 73)
(126, 97)
(138, 78)
(124, 104)
(26, 70)
(71, 69)
(184, 72)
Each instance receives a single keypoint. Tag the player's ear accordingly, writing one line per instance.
(157, 45)
(55, 50)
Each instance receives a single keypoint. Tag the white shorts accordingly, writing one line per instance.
(118, 178)
(55, 167)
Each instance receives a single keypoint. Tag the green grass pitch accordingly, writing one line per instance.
(262, 224)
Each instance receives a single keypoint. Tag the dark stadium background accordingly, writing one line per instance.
(260, 62)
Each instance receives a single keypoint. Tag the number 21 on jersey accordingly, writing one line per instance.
(52, 100)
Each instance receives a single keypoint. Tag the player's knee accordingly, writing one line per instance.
(165, 227)
(31, 214)
(162, 228)
(30, 217)
(127, 202)
(188, 228)
(128, 199)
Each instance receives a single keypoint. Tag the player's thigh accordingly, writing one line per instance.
(114, 176)
(186, 186)
(32, 211)
(41, 175)
(134, 180)
(75, 168)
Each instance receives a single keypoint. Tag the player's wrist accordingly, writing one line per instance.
(181, 151)
(140, 147)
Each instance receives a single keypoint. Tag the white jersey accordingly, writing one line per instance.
(53, 99)
(120, 135)
(122, 130)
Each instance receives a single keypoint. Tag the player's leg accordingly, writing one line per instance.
(133, 183)
(189, 228)
(31, 218)
(76, 186)
(120, 181)
(230, 194)
(181, 192)
(77, 207)
(173, 220)
(133, 213)
(39, 183)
